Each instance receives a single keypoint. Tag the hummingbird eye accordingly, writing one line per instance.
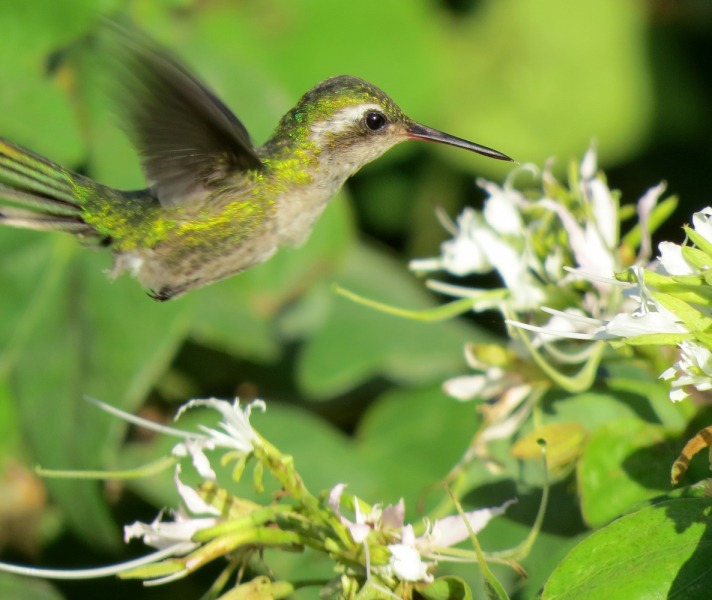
(375, 121)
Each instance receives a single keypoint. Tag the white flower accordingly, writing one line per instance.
(164, 534)
(491, 382)
(650, 316)
(673, 262)
(464, 254)
(696, 366)
(646, 204)
(671, 258)
(495, 239)
(238, 433)
(406, 557)
(702, 222)
(588, 243)
(385, 519)
(453, 530)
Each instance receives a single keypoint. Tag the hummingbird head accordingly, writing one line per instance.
(351, 122)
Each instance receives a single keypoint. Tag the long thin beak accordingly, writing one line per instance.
(421, 132)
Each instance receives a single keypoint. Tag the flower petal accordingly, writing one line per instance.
(588, 163)
(702, 221)
(673, 261)
(193, 502)
(646, 204)
(604, 211)
(393, 516)
(452, 530)
(406, 563)
(624, 325)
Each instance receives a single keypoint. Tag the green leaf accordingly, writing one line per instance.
(699, 294)
(493, 47)
(425, 425)
(696, 257)
(446, 588)
(372, 343)
(651, 393)
(14, 587)
(699, 240)
(625, 462)
(694, 319)
(653, 339)
(658, 552)
(660, 214)
(591, 409)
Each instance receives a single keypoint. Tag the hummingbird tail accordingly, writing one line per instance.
(36, 193)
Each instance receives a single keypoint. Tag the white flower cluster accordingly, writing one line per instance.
(644, 313)
(501, 238)
(237, 435)
(408, 551)
(695, 365)
(496, 238)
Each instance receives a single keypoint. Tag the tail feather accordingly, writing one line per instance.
(38, 203)
(27, 178)
(36, 193)
(27, 219)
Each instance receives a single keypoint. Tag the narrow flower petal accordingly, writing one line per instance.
(453, 530)
(646, 205)
(236, 423)
(191, 499)
(335, 497)
(194, 449)
(467, 387)
(426, 264)
(668, 374)
(604, 211)
(393, 516)
(588, 164)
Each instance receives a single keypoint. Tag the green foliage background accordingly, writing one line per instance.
(352, 393)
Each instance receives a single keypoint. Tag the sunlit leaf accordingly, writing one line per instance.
(658, 552)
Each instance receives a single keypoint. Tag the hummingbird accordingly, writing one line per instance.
(215, 204)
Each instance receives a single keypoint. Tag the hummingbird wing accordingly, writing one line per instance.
(189, 141)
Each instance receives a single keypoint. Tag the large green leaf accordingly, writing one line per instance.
(357, 343)
(83, 335)
(625, 462)
(659, 552)
(412, 438)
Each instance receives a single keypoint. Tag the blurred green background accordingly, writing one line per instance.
(352, 393)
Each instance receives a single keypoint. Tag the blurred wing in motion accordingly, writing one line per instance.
(189, 141)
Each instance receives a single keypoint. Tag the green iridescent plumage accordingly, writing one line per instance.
(215, 205)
